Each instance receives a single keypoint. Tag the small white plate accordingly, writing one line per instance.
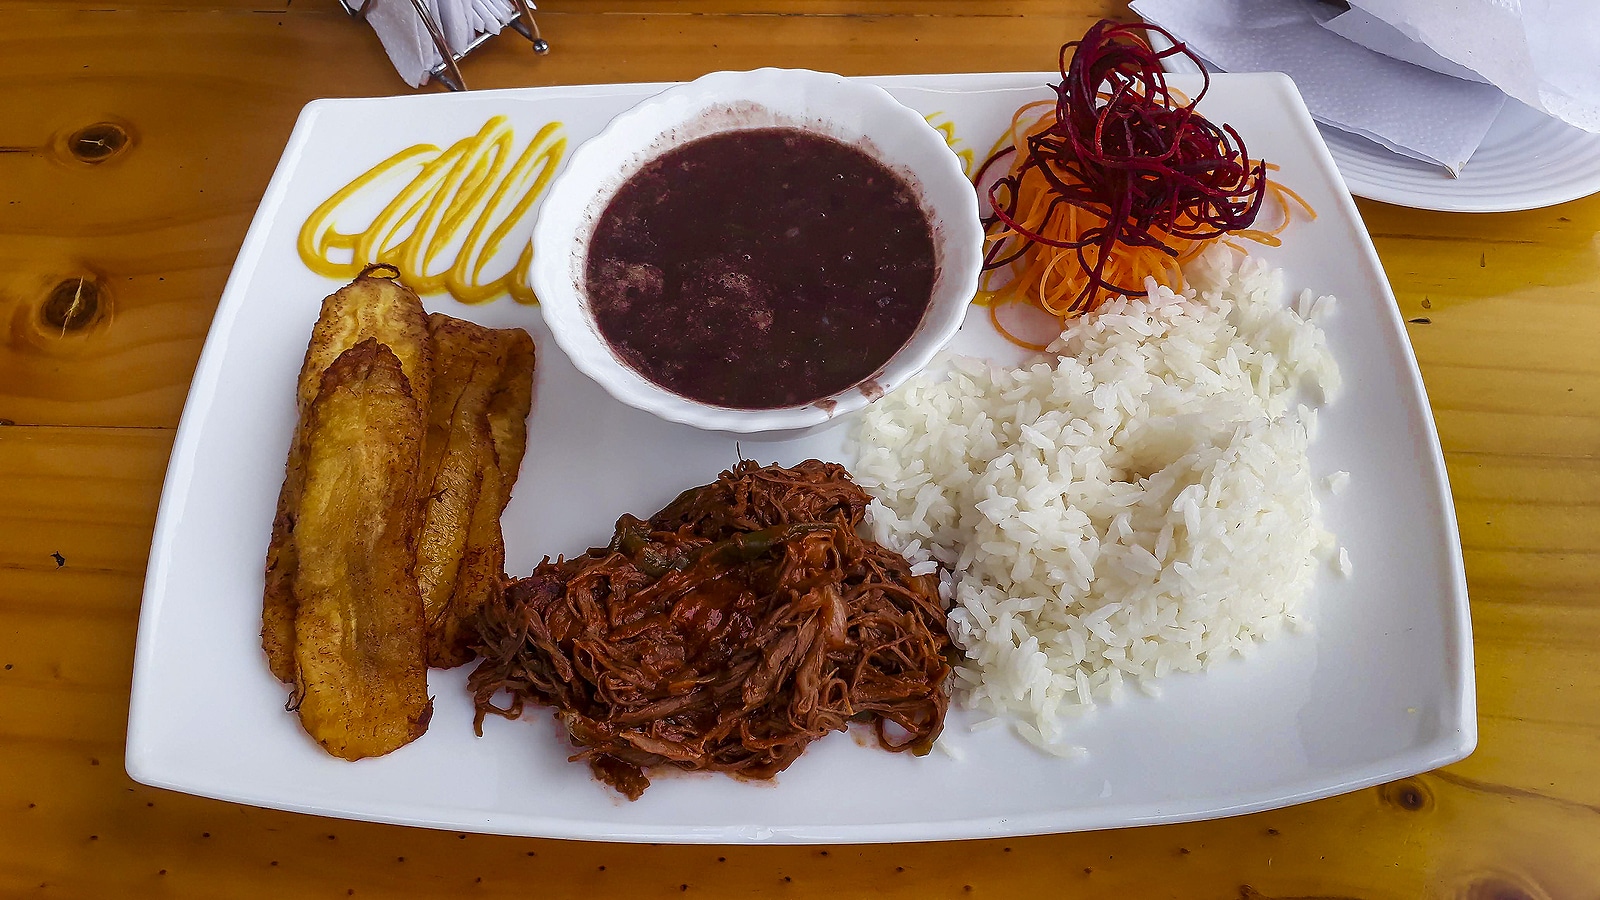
(1527, 160)
(1379, 689)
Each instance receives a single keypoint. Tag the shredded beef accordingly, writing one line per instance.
(735, 626)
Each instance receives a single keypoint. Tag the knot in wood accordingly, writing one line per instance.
(1501, 887)
(94, 144)
(1408, 794)
(72, 305)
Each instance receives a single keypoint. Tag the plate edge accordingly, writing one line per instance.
(176, 481)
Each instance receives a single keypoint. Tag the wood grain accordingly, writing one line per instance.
(110, 271)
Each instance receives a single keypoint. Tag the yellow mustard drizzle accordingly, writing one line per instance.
(471, 185)
(942, 124)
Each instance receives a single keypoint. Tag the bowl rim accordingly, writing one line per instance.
(958, 239)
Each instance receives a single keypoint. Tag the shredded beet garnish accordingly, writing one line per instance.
(1125, 164)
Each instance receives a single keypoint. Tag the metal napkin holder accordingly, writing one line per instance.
(448, 72)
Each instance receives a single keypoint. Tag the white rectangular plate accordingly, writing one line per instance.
(1380, 688)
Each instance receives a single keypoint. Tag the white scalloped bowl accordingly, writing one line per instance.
(862, 115)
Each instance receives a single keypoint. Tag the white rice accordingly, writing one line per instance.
(1138, 506)
(1338, 481)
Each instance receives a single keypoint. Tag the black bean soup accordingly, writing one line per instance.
(760, 269)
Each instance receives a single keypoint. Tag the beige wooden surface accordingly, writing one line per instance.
(109, 274)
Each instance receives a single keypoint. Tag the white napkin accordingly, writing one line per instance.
(409, 44)
(1366, 29)
(1545, 53)
(1413, 111)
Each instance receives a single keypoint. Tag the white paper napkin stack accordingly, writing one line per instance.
(410, 46)
(1423, 78)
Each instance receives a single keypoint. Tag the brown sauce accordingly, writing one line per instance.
(760, 269)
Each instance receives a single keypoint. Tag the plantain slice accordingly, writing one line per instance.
(453, 456)
(477, 428)
(481, 576)
(372, 306)
(361, 682)
(481, 567)
(509, 407)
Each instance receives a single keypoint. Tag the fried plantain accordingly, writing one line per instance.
(510, 405)
(482, 574)
(454, 454)
(372, 306)
(477, 430)
(479, 570)
(360, 678)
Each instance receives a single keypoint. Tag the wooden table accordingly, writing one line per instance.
(135, 142)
